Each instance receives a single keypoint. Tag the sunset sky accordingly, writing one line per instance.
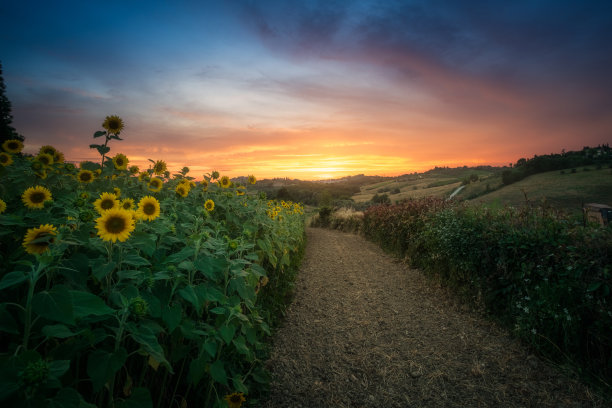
(311, 89)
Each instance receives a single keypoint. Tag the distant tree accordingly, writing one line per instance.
(381, 199)
(283, 194)
(6, 118)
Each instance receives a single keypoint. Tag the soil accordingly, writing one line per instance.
(365, 330)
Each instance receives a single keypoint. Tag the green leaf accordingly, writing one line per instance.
(7, 322)
(86, 304)
(98, 134)
(594, 286)
(210, 267)
(135, 260)
(101, 270)
(217, 372)
(140, 398)
(238, 384)
(181, 255)
(241, 347)
(103, 150)
(144, 241)
(59, 331)
(227, 333)
(211, 347)
(102, 365)
(172, 315)
(189, 294)
(197, 369)
(12, 279)
(66, 398)
(57, 368)
(54, 304)
(147, 339)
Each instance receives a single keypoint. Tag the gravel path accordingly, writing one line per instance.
(366, 331)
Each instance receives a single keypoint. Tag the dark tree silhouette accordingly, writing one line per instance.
(6, 118)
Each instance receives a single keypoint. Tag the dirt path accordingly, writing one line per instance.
(366, 331)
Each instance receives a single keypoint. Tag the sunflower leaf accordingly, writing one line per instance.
(99, 133)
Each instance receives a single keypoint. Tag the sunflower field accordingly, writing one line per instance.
(128, 287)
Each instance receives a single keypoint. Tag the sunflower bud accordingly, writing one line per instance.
(35, 373)
(139, 307)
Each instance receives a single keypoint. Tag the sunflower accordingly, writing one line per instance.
(113, 124)
(35, 197)
(127, 204)
(159, 167)
(209, 205)
(134, 170)
(155, 184)
(12, 146)
(5, 159)
(143, 176)
(235, 400)
(240, 190)
(84, 195)
(37, 240)
(148, 208)
(115, 224)
(2, 206)
(50, 150)
(252, 179)
(85, 176)
(120, 161)
(58, 157)
(204, 185)
(107, 201)
(225, 182)
(117, 191)
(182, 189)
(45, 158)
(214, 175)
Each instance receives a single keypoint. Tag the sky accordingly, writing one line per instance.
(311, 89)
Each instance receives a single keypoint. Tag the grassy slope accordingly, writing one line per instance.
(568, 191)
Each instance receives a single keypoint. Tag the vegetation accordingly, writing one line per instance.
(129, 288)
(7, 132)
(545, 278)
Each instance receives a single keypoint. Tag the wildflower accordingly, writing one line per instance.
(12, 146)
(113, 124)
(127, 204)
(155, 184)
(235, 400)
(148, 208)
(225, 182)
(37, 240)
(133, 170)
(159, 167)
(85, 176)
(5, 159)
(252, 179)
(209, 205)
(120, 161)
(182, 190)
(107, 201)
(35, 197)
(115, 224)
(2, 206)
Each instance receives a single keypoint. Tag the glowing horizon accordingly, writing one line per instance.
(311, 90)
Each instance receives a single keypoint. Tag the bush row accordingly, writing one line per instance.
(543, 277)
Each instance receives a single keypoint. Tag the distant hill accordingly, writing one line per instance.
(562, 189)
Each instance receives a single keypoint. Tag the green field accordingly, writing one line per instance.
(568, 191)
